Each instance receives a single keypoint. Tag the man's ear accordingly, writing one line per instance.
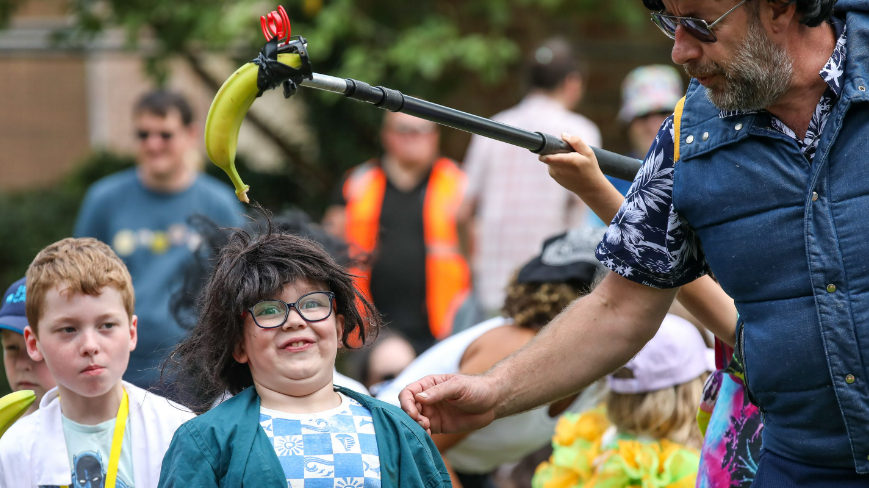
(779, 14)
(32, 343)
(134, 332)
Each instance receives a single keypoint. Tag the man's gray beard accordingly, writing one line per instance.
(758, 76)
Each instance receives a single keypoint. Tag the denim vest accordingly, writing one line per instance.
(796, 263)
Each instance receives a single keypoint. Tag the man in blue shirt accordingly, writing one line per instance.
(142, 213)
(759, 176)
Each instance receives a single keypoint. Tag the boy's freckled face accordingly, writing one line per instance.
(23, 372)
(85, 340)
(297, 353)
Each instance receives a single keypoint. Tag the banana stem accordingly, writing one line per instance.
(240, 188)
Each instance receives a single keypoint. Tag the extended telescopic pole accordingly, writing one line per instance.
(611, 164)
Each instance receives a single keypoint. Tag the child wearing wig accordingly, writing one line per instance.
(273, 316)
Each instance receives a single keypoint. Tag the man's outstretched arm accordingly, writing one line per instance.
(593, 337)
(579, 172)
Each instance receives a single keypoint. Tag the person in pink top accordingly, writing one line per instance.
(511, 203)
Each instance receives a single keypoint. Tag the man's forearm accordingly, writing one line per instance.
(593, 337)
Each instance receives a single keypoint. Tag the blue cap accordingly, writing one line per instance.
(12, 315)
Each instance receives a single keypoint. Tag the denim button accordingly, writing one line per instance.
(705, 136)
(689, 139)
(814, 196)
(738, 126)
(831, 288)
(849, 379)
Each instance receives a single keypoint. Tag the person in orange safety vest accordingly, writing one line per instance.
(398, 215)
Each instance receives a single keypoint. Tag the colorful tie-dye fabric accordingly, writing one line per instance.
(731, 449)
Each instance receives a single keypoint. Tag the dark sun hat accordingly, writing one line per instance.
(566, 258)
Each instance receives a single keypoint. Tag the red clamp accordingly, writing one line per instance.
(276, 24)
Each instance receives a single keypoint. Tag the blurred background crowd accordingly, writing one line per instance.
(101, 112)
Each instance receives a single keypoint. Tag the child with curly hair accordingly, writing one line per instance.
(273, 316)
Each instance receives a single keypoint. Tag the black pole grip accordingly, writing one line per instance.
(612, 164)
(359, 90)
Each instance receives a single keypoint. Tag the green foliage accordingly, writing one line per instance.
(32, 219)
(435, 49)
(29, 221)
(7, 8)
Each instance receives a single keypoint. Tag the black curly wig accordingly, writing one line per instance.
(814, 12)
(252, 266)
(183, 301)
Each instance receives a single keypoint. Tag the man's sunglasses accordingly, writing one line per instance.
(696, 27)
(143, 135)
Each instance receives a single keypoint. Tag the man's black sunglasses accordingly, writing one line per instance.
(696, 27)
(143, 135)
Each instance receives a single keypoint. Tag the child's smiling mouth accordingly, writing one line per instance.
(297, 344)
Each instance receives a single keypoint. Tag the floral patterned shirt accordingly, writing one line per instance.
(648, 241)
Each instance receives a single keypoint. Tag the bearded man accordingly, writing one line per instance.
(760, 176)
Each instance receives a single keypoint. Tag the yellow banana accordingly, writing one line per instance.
(13, 406)
(227, 111)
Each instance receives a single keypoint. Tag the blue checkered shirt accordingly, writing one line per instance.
(333, 449)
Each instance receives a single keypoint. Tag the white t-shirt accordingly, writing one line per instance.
(337, 447)
(89, 447)
(34, 452)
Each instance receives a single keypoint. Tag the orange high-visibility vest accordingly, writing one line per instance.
(448, 278)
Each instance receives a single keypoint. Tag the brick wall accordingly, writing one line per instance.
(43, 118)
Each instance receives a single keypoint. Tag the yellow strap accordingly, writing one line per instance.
(677, 127)
(118, 441)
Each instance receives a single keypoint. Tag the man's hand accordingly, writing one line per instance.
(570, 170)
(592, 337)
(450, 403)
(580, 173)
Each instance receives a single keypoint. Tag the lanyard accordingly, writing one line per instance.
(117, 442)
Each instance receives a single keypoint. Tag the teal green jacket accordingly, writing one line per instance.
(226, 447)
